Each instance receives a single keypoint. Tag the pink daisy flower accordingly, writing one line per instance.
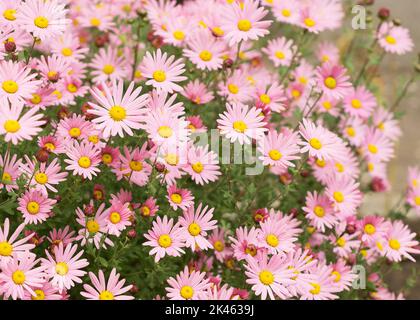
(108, 66)
(113, 289)
(149, 207)
(399, 243)
(53, 68)
(64, 269)
(287, 11)
(10, 247)
(84, 159)
(333, 81)
(9, 8)
(301, 263)
(328, 52)
(118, 112)
(162, 71)
(342, 275)
(221, 293)
(279, 149)
(345, 244)
(64, 236)
(20, 276)
(44, 176)
(241, 123)
(44, 19)
(345, 195)
(45, 292)
(203, 165)
(376, 146)
(319, 211)
(372, 228)
(197, 92)
(272, 97)
(179, 198)
(322, 287)
(236, 88)
(187, 286)
(395, 39)
(165, 238)
(269, 276)
(321, 15)
(386, 122)
(17, 126)
(194, 226)
(68, 46)
(35, 206)
(119, 216)
(134, 166)
(9, 171)
(217, 239)
(280, 51)
(205, 51)
(74, 127)
(243, 21)
(245, 243)
(359, 102)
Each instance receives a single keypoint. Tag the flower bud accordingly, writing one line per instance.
(228, 63)
(42, 155)
(132, 233)
(10, 46)
(384, 13)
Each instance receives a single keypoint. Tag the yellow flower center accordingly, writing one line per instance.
(296, 93)
(218, 31)
(6, 249)
(71, 87)
(356, 103)
(136, 165)
(341, 242)
(9, 14)
(10, 86)
(32, 207)
(309, 22)
(165, 131)
(18, 277)
(194, 229)
(319, 211)
(330, 83)
(316, 288)
(372, 148)
(41, 178)
(95, 22)
(159, 76)
(244, 25)
(165, 241)
(339, 167)
(67, 52)
(205, 55)
(320, 163)
(315, 143)
(187, 292)
(106, 158)
(176, 197)
(179, 35)
(240, 126)
(117, 113)
(272, 240)
(61, 268)
(327, 105)
(172, 159)
(286, 13)
(197, 167)
(106, 295)
(108, 69)
(92, 226)
(39, 295)
(115, 217)
(233, 88)
(218, 246)
(11, 126)
(41, 22)
(350, 131)
(275, 155)
(280, 55)
(265, 99)
(390, 39)
(417, 200)
(369, 229)
(36, 99)
(266, 277)
(394, 244)
(84, 162)
(145, 210)
(338, 196)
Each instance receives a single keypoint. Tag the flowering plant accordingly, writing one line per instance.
(207, 149)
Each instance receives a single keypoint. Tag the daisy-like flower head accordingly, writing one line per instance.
(35, 206)
(17, 126)
(113, 289)
(241, 123)
(333, 80)
(9, 171)
(221, 293)
(205, 51)
(162, 71)
(44, 19)
(279, 149)
(10, 247)
(395, 39)
(322, 287)
(119, 216)
(372, 228)
(187, 286)
(345, 194)
(272, 97)
(195, 224)
(280, 51)
(328, 52)
(19, 276)
(319, 211)
(118, 112)
(134, 166)
(320, 15)
(149, 207)
(344, 244)
(179, 198)
(360, 102)
(16, 83)
(45, 292)
(269, 276)
(203, 165)
(64, 268)
(399, 243)
(84, 159)
(8, 10)
(53, 68)
(74, 127)
(64, 236)
(237, 87)
(165, 237)
(385, 121)
(197, 92)
(108, 66)
(376, 146)
(301, 263)
(245, 243)
(243, 21)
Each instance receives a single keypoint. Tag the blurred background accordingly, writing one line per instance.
(408, 148)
